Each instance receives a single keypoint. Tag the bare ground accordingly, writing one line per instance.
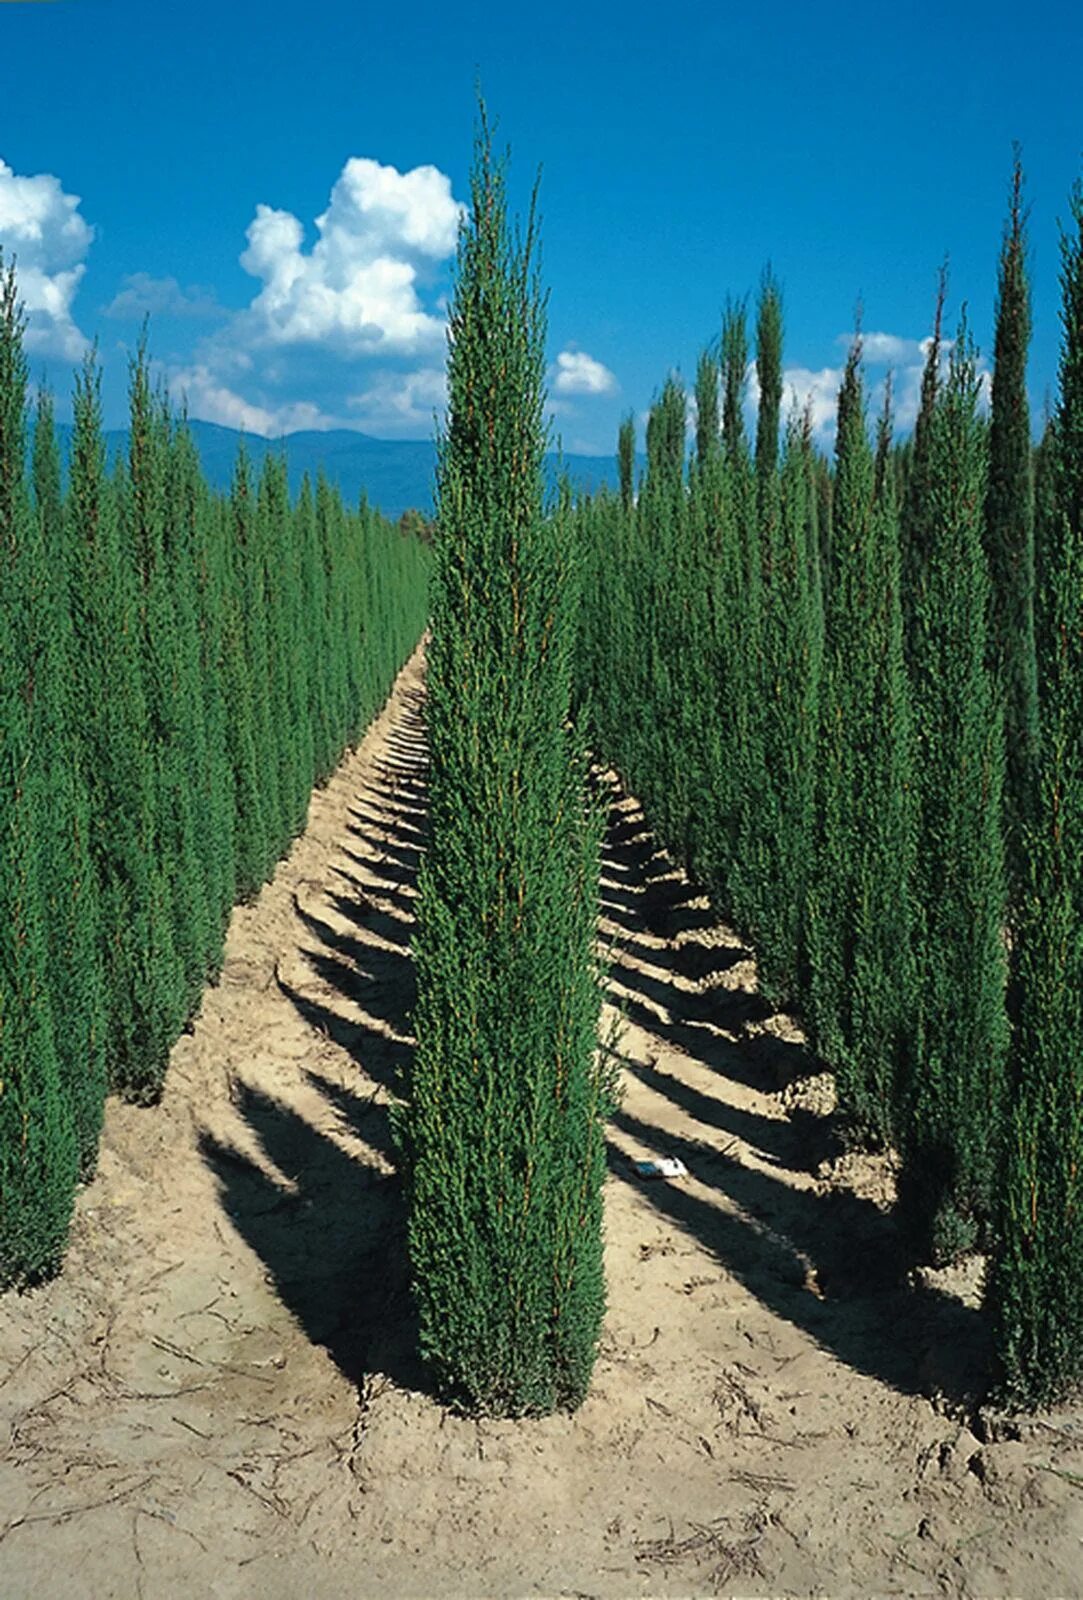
(220, 1397)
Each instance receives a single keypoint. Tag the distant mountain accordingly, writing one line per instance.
(396, 474)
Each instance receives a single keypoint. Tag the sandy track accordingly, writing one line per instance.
(219, 1397)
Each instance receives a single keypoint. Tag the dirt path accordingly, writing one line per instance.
(219, 1396)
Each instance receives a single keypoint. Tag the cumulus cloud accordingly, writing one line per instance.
(212, 400)
(887, 349)
(40, 227)
(401, 404)
(353, 320)
(141, 295)
(577, 373)
(357, 290)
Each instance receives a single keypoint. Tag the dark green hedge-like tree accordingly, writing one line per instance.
(954, 1094)
(858, 928)
(1009, 534)
(69, 877)
(626, 463)
(1036, 1282)
(39, 1139)
(503, 1127)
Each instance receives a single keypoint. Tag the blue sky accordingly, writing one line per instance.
(176, 159)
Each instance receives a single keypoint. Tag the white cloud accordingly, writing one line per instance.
(142, 295)
(40, 227)
(354, 323)
(401, 404)
(357, 290)
(886, 349)
(211, 400)
(577, 373)
(814, 392)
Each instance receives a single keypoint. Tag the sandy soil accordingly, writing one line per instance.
(219, 1396)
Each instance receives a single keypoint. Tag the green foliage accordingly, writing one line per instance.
(858, 934)
(1009, 535)
(626, 462)
(789, 711)
(175, 673)
(118, 765)
(503, 1127)
(955, 1080)
(1035, 1287)
(39, 1140)
(69, 876)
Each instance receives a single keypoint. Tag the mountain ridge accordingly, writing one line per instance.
(396, 475)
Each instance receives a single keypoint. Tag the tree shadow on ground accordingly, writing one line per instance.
(332, 1236)
(827, 1260)
(332, 1230)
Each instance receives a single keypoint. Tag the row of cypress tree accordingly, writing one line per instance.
(177, 669)
(860, 723)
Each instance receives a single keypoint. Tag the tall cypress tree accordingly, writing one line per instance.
(1009, 532)
(626, 462)
(858, 927)
(69, 876)
(1036, 1282)
(954, 1093)
(164, 637)
(792, 642)
(39, 1146)
(769, 375)
(917, 505)
(119, 766)
(708, 420)
(503, 1128)
(247, 687)
(196, 549)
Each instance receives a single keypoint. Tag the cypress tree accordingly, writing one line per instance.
(793, 641)
(708, 420)
(769, 374)
(917, 507)
(858, 923)
(740, 583)
(247, 680)
(39, 1145)
(503, 1130)
(626, 462)
(199, 558)
(1009, 531)
(954, 1092)
(69, 877)
(1036, 1282)
(165, 626)
(329, 520)
(119, 765)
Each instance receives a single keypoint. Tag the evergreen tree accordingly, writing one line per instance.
(793, 643)
(626, 462)
(119, 766)
(198, 557)
(69, 878)
(917, 507)
(503, 1130)
(165, 632)
(708, 421)
(247, 689)
(39, 1143)
(858, 922)
(1036, 1282)
(769, 375)
(954, 1091)
(1009, 532)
